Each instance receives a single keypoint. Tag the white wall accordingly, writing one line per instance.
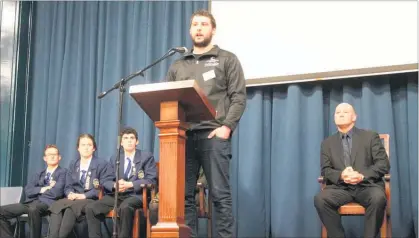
(277, 38)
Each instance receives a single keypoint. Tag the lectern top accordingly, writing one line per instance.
(187, 92)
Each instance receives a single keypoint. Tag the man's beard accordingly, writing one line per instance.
(203, 43)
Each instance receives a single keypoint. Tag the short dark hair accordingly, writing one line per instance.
(129, 130)
(51, 146)
(86, 135)
(205, 13)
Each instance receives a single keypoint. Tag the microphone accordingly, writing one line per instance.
(125, 80)
(181, 50)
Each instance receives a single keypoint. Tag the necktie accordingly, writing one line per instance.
(128, 170)
(83, 177)
(346, 151)
(47, 178)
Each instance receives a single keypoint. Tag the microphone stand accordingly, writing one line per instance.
(121, 86)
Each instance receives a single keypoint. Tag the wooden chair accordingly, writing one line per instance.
(355, 209)
(152, 188)
(136, 223)
(203, 209)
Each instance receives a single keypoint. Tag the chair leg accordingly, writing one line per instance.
(209, 227)
(389, 234)
(383, 229)
(148, 224)
(209, 215)
(136, 225)
(17, 228)
(324, 232)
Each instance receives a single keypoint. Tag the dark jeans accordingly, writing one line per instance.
(328, 201)
(35, 211)
(214, 155)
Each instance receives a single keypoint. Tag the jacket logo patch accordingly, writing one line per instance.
(140, 174)
(212, 62)
(96, 183)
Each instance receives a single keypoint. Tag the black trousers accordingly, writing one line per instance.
(214, 155)
(35, 210)
(65, 215)
(153, 209)
(96, 211)
(328, 201)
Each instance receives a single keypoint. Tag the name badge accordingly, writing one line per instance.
(208, 75)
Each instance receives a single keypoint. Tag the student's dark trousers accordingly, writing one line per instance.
(35, 210)
(96, 211)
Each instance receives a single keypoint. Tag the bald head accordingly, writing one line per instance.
(345, 117)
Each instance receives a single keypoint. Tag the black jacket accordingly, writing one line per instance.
(220, 75)
(368, 157)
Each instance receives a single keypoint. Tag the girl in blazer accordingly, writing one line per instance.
(84, 176)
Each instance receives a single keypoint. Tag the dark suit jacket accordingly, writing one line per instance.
(96, 175)
(33, 188)
(368, 157)
(144, 171)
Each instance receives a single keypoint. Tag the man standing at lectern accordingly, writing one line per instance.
(220, 75)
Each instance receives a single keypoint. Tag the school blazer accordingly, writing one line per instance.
(36, 182)
(95, 176)
(144, 171)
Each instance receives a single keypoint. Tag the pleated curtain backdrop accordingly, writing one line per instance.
(276, 160)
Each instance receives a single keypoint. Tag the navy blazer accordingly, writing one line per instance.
(95, 176)
(144, 171)
(33, 188)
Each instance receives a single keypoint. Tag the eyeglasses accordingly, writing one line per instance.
(51, 155)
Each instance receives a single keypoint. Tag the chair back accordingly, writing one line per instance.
(157, 179)
(385, 138)
(10, 195)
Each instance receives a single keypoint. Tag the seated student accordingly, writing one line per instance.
(136, 167)
(84, 176)
(154, 204)
(42, 189)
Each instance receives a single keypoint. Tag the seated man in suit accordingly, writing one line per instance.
(154, 204)
(136, 167)
(353, 163)
(42, 190)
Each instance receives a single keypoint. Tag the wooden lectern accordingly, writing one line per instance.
(171, 106)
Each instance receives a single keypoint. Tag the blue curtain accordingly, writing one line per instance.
(81, 49)
(277, 146)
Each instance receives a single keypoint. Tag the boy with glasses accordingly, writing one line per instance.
(42, 190)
